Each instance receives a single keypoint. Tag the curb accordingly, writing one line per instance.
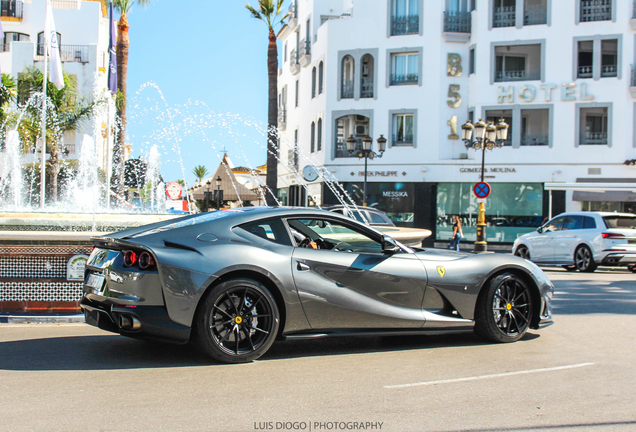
(45, 319)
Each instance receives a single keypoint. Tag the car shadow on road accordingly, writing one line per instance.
(117, 352)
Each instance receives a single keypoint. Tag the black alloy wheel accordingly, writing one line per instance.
(523, 252)
(504, 309)
(238, 321)
(583, 259)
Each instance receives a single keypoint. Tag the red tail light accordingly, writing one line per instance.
(612, 235)
(146, 261)
(130, 258)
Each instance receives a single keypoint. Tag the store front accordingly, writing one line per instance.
(512, 209)
(396, 199)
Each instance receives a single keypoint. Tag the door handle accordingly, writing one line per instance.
(302, 266)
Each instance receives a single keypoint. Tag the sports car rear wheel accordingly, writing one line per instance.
(504, 309)
(237, 322)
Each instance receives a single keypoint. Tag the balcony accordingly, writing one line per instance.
(294, 66)
(585, 72)
(66, 4)
(457, 26)
(282, 118)
(293, 15)
(347, 89)
(596, 10)
(305, 52)
(609, 71)
(402, 139)
(517, 75)
(594, 138)
(535, 14)
(68, 53)
(504, 16)
(537, 139)
(404, 25)
(367, 88)
(404, 79)
(11, 10)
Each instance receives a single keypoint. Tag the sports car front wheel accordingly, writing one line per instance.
(504, 309)
(237, 322)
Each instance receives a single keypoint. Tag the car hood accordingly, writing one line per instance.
(442, 255)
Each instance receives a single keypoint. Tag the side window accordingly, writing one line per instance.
(553, 225)
(272, 230)
(376, 218)
(333, 236)
(589, 223)
(572, 223)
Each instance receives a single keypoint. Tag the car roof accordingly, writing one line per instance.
(601, 214)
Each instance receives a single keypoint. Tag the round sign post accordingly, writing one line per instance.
(174, 190)
(482, 191)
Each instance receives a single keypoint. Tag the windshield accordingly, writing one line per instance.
(625, 222)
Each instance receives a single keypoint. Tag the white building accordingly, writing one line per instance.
(83, 32)
(559, 72)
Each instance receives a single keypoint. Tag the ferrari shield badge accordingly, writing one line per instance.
(441, 270)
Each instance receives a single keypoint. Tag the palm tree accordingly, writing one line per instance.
(270, 13)
(123, 42)
(70, 113)
(199, 172)
(8, 94)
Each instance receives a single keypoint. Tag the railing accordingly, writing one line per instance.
(305, 47)
(540, 139)
(633, 81)
(11, 8)
(292, 158)
(504, 16)
(402, 139)
(402, 25)
(282, 115)
(404, 79)
(609, 71)
(596, 10)
(594, 138)
(347, 89)
(366, 91)
(293, 10)
(66, 4)
(585, 72)
(536, 14)
(457, 22)
(341, 147)
(294, 66)
(5, 47)
(68, 53)
(517, 75)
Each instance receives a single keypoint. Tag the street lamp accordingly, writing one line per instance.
(487, 137)
(219, 195)
(207, 195)
(366, 153)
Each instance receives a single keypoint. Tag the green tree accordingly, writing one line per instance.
(71, 111)
(199, 172)
(269, 12)
(8, 94)
(123, 43)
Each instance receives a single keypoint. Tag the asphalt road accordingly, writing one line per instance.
(577, 375)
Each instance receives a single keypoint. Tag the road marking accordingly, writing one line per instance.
(481, 377)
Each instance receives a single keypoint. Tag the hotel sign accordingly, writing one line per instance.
(528, 93)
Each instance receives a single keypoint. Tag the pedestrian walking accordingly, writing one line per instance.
(457, 234)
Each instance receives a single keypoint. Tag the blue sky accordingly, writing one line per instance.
(209, 60)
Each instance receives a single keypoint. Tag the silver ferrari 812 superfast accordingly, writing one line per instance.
(234, 281)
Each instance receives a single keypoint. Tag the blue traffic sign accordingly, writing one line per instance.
(482, 190)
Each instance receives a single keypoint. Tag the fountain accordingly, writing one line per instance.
(42, 252)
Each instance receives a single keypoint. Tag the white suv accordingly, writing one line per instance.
(583, 241)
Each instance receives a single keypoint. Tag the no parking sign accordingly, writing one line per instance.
(482, 190)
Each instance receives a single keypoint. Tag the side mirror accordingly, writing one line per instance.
(540, 230)
(389, 246)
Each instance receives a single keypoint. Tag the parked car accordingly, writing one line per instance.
(582, 241)
(236, 280)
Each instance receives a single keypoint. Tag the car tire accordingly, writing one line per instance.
(504, 309)
(237, 321)
(584, 260)
(523, 252)
(632, 268)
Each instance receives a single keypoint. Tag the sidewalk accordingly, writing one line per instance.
(40, 319)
